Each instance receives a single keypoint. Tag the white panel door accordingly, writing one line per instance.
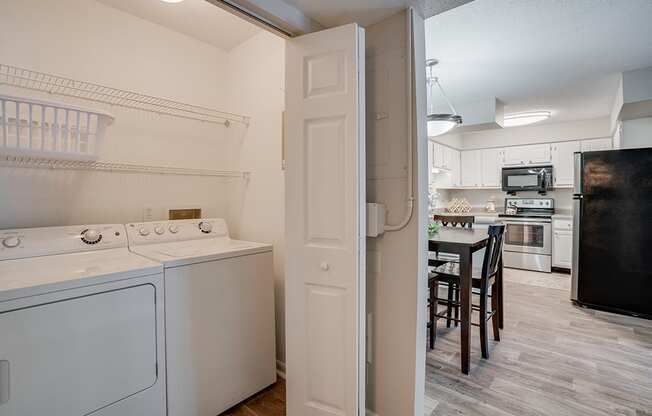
(492, 164)
(79, 355)
(325, 196)
(563, 162)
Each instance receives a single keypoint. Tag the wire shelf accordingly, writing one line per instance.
(90, 165)
(53, 84)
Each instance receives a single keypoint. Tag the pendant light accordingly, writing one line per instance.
(439, 124)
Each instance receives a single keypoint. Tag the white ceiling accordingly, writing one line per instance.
(195, 18)
(555, 55)
(330, 13)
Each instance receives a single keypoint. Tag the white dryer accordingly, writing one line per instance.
(81, 324)
(219, 313)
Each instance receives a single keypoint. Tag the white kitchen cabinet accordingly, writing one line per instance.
(597, 144)
(437, 155)
(471, 168)
(562, 249)
(535, 154)
(492, 163)
(444, 165)
(455, 168)
(563, 163)
(562, 243)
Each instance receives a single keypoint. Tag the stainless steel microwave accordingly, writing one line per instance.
(527, 178)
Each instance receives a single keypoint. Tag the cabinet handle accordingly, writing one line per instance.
(4, 382)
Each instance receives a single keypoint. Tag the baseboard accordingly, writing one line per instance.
(280, 369)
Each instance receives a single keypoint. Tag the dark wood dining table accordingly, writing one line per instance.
(465, 242)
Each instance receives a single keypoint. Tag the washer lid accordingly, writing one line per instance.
(37, 275)
(178, 253)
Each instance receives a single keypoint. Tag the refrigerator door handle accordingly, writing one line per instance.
(577, 222)
(577, 173)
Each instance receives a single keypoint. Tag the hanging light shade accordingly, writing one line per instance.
(439, 123)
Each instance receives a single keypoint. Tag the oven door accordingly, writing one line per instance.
(523, 179)
(527, 236)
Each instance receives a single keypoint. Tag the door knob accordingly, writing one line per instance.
(324, 266)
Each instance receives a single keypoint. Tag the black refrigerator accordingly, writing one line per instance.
(612, 231)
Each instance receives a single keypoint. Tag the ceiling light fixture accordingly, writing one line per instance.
(525, 118)
(171, 1)
(439, 124)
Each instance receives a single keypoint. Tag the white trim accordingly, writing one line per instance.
(416, 53)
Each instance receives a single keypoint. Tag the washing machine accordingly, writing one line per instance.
(81, 324)
(219, 312)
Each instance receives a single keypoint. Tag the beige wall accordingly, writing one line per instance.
(89, 41)
(256, 76)
(392, 259)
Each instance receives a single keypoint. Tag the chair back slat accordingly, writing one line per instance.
(493, 251)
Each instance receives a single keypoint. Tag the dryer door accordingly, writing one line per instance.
(75, 356)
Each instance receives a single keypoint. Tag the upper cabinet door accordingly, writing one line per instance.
(563, 162)
(597, 144)
(325, 223)
(492, 163)
(528, 155)
(455, 168)
(471, 163)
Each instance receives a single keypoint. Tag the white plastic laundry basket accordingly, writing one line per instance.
(49, 129)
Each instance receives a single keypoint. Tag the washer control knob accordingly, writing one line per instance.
(91, 236)
(159, 230)
(173, 228)
(143, 231)
(205, 227)
(11, 242)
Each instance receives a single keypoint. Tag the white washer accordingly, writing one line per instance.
(219, 314)
(81, 324)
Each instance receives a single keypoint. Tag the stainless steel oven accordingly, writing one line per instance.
(527, 178)
(528, 235)
(528, 243)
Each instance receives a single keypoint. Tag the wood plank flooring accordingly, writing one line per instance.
(554, 359)
(269, 402)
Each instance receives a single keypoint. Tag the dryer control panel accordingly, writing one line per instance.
(140, 233)
(32, 242)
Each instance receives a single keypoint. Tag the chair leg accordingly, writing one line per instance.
(484, 343)
(433, 309)
(495, 320)
(449, 306)
(457, 307)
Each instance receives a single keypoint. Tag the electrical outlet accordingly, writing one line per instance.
(148, 213)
